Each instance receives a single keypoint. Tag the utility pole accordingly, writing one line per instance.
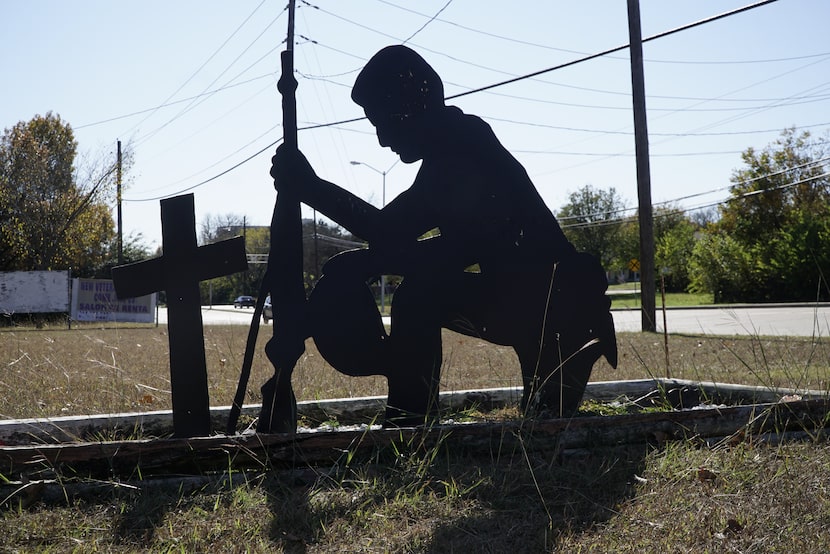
(648, 291)
(118, 208)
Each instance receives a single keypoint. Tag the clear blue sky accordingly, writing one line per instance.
(200, 79)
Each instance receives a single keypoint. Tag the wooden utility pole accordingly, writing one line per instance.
(638, 89)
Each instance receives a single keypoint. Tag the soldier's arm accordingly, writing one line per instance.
(294, 176)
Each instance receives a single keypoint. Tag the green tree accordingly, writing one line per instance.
(215, 228)
(328, 241)
(673, 248)
(134, 249)
(317, 249)
(777, 221)
(53, 215)
(591, 220)
(627, 243)
(720, 265)
(674, 237)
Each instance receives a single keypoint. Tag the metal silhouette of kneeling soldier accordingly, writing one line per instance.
(531, 290)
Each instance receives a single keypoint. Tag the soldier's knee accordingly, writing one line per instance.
(346, 325)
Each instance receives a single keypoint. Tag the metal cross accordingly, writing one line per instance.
(178, 271)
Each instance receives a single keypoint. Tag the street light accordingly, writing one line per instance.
(382, 205)
(382, 173)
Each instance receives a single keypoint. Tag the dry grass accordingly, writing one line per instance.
(748, 498)
(83, 371)
(745, 499)
(682, 498)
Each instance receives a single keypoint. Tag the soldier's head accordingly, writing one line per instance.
(399, 90)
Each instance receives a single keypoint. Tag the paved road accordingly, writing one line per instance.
(218, 315)
(779, 320)
(785, 320)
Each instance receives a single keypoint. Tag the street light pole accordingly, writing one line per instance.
(383, 205)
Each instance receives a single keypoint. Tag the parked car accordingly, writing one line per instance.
(267, 310)
(244, 302)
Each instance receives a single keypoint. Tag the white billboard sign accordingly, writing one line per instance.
(95, 300)
(34, 292)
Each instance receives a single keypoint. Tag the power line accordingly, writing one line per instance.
(488, 87)
(431, 19)
(706, 193)
(748, 181)
(770, 103)
(560, 66)
(194, 103)
(201, 66)
(568, 51)
(626, 154)
(715, 123)
(759, 109)
(797, 100)
(397, 39)
(173, 103)
(776, 102)
(599, 91)
(616, 48)
(732, 198)
(217, 162)
(630, 133)
(206, 181)
(241, 163)
(485, 33)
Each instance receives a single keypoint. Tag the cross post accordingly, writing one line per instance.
(178, 271)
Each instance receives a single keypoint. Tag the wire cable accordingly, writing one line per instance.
(206, 181)
(194, 103)
(431, 19)
(173, 103)
(732, 198)
(712, 191)
(487, 87)
(169, 98)
(631, 133)
(616, 48)
(578, 52)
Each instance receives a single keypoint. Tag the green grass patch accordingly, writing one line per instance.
(673, 300)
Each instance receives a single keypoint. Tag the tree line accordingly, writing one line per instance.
(767, 242)
(321, 241)
(56, 214)
(55, 206)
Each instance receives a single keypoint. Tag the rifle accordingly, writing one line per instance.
(284, 279)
